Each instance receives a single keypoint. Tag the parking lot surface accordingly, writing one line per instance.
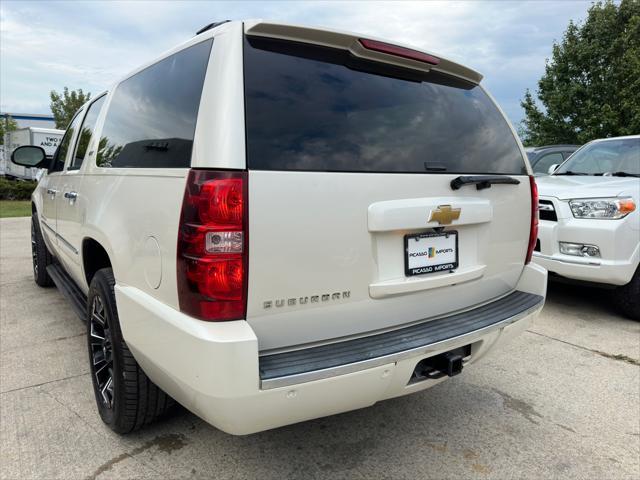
(561, 401)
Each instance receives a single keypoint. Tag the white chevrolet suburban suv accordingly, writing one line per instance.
(272, 223)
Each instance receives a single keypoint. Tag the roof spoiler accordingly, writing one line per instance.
(363, 47)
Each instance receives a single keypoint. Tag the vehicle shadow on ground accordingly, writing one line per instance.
(574, 295)
(390, 436)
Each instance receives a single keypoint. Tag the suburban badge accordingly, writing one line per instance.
(291, 302)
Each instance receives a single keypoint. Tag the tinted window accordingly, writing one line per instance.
(315, 108)
(152, 117)
(542, 165)
(86, 132)
(63, 149)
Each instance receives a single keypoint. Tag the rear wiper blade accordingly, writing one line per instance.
(569, 172)
(624, 174)
(482, 181)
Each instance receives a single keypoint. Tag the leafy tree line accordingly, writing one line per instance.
(64, 105)
(7, 124)
(591, 85)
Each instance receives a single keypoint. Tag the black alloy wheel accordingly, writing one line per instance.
(101, 351)
(126, 398)
(34, 249)
(39, 254)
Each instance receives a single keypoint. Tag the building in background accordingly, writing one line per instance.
(25, 120)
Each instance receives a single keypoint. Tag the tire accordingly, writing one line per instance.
(40, 255)
(627, 297)
(126, 398)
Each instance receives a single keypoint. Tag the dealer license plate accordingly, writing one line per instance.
(430, 253)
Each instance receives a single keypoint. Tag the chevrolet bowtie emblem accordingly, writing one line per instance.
(444, 214)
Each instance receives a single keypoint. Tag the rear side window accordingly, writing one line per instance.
(321, 109)
(61, 153)
(86, 132)
(152, 117)
(542, 165)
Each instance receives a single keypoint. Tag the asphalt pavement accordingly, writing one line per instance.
(560, 401)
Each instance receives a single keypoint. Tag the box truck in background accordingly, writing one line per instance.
(47, 138)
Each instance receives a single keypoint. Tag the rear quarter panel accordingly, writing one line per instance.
(131, 210)
(129, 213)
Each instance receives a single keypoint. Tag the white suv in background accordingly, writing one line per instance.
(273, 223)
(589, 220)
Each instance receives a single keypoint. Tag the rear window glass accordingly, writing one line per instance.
(88, 125)
(321, 109)
(151, 119)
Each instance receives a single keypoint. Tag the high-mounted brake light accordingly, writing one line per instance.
(389, 49)
(533, 231)
(212, 258)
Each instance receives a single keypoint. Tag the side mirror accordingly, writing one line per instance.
(29, 156)
(553, 168)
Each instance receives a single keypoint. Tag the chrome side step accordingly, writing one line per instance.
(69, 289)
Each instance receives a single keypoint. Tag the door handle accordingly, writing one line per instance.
(51, 191)
(71, 195)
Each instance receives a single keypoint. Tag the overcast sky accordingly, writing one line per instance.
(47, 45)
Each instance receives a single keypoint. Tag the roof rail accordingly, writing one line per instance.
(210, 26)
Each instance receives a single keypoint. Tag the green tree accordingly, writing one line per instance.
(65, 105)
(7, 124)
(591, 85)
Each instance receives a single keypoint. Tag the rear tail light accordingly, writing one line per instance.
(212, 258)
(390, 49)
(533, 231)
